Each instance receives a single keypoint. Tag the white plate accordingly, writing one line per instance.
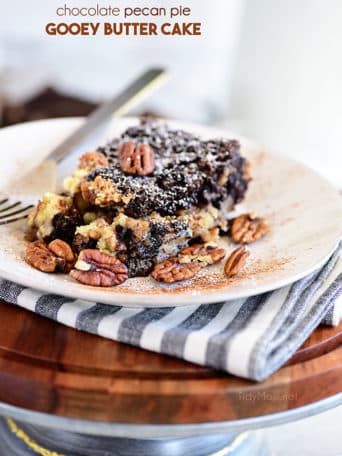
(304, 211)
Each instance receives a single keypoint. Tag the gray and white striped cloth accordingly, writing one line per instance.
(250, 337)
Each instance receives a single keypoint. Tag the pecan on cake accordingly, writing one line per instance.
(146, 195)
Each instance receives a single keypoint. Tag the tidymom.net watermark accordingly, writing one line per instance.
(267, 396)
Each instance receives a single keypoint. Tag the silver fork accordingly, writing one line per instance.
(13, 211)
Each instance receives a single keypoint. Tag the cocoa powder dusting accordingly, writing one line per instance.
(215, 281)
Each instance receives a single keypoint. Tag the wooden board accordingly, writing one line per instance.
(47, 367)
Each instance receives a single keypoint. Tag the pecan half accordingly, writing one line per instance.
(40, 257)
(172, 270)
(248, 228)
(62, 250)
(92, 160)
(99, 269)
(236, 261)
(201, 253)
(136, 158)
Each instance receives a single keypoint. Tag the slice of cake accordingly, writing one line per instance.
(146, 195)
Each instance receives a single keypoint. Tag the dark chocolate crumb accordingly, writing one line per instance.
(65, 226)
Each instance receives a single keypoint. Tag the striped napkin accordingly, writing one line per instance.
(250, 337)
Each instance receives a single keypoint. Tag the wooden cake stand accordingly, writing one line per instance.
(64, 392)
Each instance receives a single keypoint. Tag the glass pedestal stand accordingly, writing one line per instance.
(25, 433)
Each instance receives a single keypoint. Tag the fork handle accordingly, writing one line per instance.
(117, 106)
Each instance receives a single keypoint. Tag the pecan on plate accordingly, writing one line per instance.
(40, 256)
(136, 158)
(172, 270)
(99, 269)
(61, 249)
(248, 228)
(92, 160)
(236, 261)
(202, 254)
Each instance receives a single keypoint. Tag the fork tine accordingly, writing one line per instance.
(19, 211)
(6, 222)
(12, 206)
(9, 217)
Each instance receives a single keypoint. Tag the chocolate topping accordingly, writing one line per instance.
(188, 171)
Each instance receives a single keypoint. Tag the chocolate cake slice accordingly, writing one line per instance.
(144, 218)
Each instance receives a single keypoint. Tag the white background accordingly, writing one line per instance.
(287, 89)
